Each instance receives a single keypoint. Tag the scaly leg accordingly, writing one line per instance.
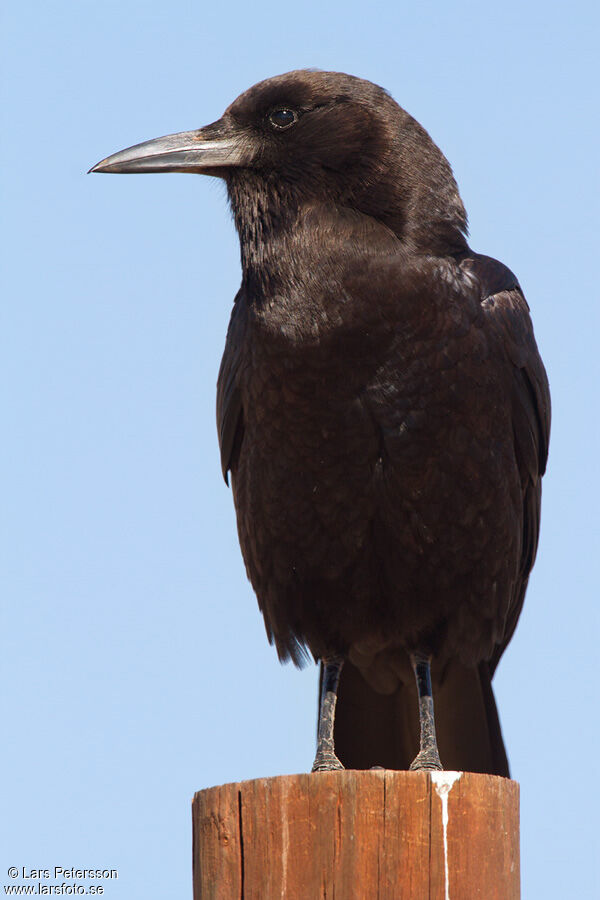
(428, 756)
(326, 760)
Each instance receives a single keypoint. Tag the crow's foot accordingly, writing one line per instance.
(426, 760)
(326, 762)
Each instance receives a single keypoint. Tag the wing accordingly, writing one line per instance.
(507, 314)
(230, 418)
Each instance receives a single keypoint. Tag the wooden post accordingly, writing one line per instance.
(358, 836)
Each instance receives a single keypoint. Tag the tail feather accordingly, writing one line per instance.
(373, 729)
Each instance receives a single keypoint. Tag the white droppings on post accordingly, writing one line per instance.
(444, 782)
(285, 841)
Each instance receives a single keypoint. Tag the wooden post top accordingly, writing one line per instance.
(358, 835)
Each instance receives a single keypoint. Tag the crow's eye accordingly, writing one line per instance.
(283, 118)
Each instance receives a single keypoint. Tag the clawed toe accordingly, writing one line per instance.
(326, 762)
(426, 761)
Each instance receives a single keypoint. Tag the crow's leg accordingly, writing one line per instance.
(428, 756)
(326, 758)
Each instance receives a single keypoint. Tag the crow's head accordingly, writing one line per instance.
(317, 137)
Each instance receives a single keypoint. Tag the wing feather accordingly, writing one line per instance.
(507, 314)
(230, 414)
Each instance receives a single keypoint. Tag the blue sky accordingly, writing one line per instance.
(135, 667)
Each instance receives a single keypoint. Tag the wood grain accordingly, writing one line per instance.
(357, 834)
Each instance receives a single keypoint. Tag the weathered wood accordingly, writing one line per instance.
(375, 834)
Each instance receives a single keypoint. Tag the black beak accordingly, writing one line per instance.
(216, 146)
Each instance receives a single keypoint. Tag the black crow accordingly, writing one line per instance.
(383, 411)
